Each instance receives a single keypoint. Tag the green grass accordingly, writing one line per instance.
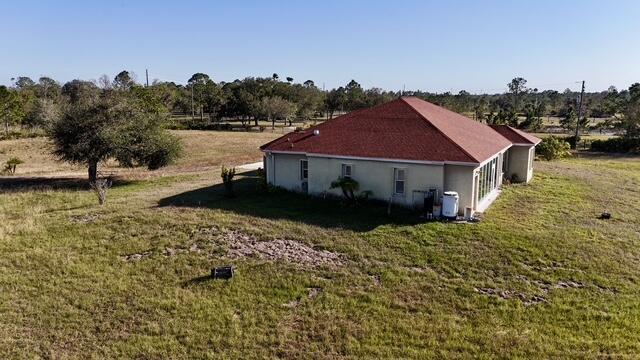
(406, 289)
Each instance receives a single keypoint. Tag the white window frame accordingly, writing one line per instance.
(396, 180)
(304, 169)
(343, 171)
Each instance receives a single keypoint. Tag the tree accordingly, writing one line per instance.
(80, 91)
(354, 96)
(112, 127)
(275, 107)
(479, 109)
(24, 82)
(517, 87)
(43, 114)
(334, 101)
(104, 82)
(630, 121)
(569, 121)
(289, 79)
(207, 95)
(123, 81)
(533, 112)
(48, 88)
(11, 108)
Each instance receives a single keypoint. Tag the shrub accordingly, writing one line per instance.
(10, 165)
(227, 175)
(572, 140)
(262, 184)
(553, 148)
(350, 188)
(617, 145)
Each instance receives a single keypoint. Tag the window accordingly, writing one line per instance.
(399, 178)
(347, 171)
(488, 178)
(304, 169)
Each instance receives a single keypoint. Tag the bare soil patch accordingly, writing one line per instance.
(84, 218)
(243, 245)
(212, 242)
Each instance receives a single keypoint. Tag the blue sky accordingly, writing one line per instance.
(429, 45)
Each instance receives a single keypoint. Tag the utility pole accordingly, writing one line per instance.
(147, 73)
(579, 116)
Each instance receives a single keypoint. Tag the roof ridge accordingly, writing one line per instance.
(437, 128)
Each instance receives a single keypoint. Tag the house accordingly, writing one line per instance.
(399, 150)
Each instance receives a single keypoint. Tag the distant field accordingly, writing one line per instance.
(539, 277)
(280, 125)
(202, 149)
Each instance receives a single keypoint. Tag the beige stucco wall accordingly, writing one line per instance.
(376, 176)
(459, 178)
(519, 163)
(284, 170)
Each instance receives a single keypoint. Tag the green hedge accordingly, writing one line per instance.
(617, 145)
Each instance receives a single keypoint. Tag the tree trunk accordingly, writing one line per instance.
(273, 123)
(93, 172)
(255, 121)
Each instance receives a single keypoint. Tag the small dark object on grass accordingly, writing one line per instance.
(605, 215)
(224, 272)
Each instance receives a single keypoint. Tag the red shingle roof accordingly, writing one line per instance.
(516, 136)
(407, 128)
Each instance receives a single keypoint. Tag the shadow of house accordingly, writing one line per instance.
(278, 204)
(23, 184)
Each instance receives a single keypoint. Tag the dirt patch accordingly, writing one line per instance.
(314, 292)
(243, 245)
(527, 300)
(136, 256)
(543, 289)
(169, 251)
(216, 243)
(84, 219)
(376, 280)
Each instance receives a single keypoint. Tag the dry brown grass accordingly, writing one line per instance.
(202, 150)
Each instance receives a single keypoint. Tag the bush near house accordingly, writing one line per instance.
(349, 188)
(617, 145)
(552, 148)
(227, 175)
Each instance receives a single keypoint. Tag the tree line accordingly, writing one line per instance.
(204, 102)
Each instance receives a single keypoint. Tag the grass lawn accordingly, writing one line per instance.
(539, 277)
